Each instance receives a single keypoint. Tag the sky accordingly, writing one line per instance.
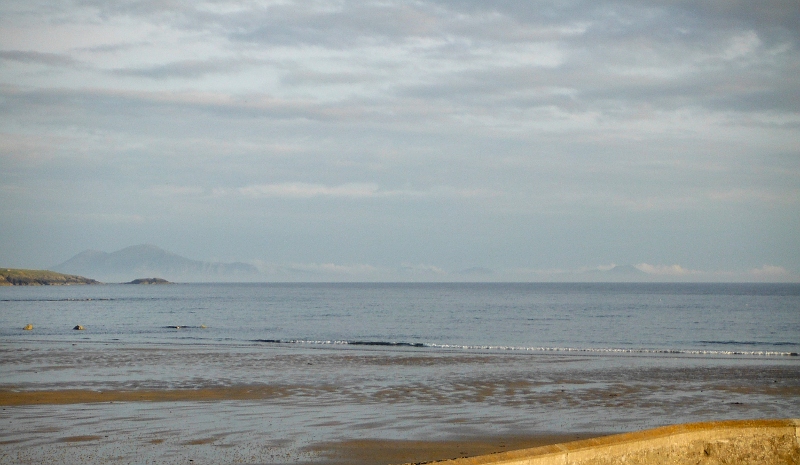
(406, 140)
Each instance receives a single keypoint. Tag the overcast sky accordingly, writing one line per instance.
(406, 140)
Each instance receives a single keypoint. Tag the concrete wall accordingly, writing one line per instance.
(763, 442)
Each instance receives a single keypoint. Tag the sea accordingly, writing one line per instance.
(327, 365)
(713, 319)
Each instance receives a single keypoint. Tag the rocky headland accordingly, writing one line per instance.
(16, 277)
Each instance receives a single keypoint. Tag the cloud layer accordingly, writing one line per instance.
(461, 135)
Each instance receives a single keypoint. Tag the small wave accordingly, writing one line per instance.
(531, 349)
(350, 343)
(185, 327)
(748, 343)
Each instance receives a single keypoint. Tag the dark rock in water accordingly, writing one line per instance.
(149, 281)
(78, 328)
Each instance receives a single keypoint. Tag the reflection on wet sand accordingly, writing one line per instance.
(262, 404)
(373, 451)
(76, 396)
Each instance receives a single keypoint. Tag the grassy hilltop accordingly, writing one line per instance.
(15, 277)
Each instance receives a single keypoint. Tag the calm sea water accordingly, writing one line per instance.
(716, 319)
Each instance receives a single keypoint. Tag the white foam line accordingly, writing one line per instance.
(567, 349)
(613, 350)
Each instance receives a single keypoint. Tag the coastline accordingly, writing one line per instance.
(22, 277)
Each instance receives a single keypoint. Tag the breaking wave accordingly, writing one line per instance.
(600, 350)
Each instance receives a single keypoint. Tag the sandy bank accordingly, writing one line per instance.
(764, 442)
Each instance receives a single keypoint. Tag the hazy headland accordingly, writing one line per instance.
(16, 277)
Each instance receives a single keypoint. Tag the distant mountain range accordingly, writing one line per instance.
(149, 261)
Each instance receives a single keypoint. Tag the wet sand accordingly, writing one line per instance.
(261, 403)
(371, 451)
(82, 396)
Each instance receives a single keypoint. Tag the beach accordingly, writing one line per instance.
(371, 374)
(272, 403)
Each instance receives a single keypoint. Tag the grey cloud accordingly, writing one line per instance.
(111, 48)
(124, 104)
(310, 77)
(50, 59)
(713, 13)
(335, 24)
(344, 23)
(769, 17)
(638, 142)
(347, 26)
(186, 69)
(134, 8)
(606, 72)
(666, 37)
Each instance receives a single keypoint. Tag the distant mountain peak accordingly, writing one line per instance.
(147, 259)
(147, 248)
(626, 269)
(617, 273)
(141, 247)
